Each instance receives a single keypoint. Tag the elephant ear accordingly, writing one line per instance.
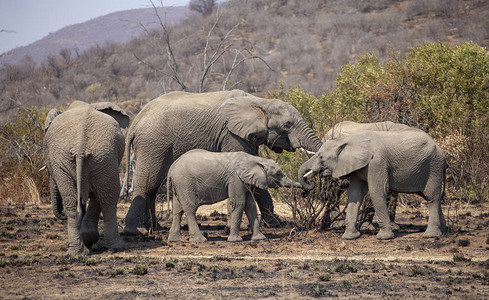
(114, 111)
(53, 113)
(250, 171)
(351, 155)
(245, 118)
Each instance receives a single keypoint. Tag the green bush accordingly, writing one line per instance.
(440, 88)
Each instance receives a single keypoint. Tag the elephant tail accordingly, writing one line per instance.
(130, 138)
(79, 200)
(125, 185)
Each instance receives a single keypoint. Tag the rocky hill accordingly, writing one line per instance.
(256, 46)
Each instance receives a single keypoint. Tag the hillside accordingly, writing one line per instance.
(118, 27)
(257, 46)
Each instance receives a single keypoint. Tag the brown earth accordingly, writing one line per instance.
(289, 265)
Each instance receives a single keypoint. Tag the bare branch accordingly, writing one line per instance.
(236, 64)
(171, 57)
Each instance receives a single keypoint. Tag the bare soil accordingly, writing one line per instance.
(289, 265)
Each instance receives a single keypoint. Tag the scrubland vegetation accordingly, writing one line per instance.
(336, 60)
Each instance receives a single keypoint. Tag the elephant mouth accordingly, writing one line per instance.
(326, 173)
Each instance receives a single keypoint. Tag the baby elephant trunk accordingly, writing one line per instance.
(305, 171)
(286, 182)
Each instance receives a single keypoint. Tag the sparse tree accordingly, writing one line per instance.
(217, 46)
(203, 7)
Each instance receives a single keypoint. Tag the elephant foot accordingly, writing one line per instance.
(431, 233)
(118, 246)
(174, 237)
(197, 238)
(385, 234)
(351, 235)
(129, 231)
(90, 237)
(235, 238)
(78, 250)
(257, 236)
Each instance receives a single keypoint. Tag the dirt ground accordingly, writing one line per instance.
(289, 265)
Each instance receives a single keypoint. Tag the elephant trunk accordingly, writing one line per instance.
(306, 138)
(304, 171)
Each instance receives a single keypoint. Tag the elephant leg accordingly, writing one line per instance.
(378, 193)
(368, 211)
(265, 203)
(68, 193)
(356, 192)
(174, 234)
(111, 234)
(148, 177)
(75, 243)
(237, 199)
(392, 205)
(107, 195)
(150, 220)
(189, 203)
(228, 223)
(251, 214)
(89, 229)
(193, 227)
(436, 220)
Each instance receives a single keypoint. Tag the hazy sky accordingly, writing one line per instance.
(23, 22)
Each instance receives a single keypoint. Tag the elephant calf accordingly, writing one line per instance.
(202, 177)
(405, 161)
(82, 149)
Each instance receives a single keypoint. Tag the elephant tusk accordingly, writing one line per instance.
(308, 173)
(42, 169)
(307, 151)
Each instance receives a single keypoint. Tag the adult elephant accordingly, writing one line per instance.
(346, 128)
(225, 121)
(404, 161)
(82, 149)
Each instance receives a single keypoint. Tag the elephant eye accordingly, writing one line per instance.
(288, 125)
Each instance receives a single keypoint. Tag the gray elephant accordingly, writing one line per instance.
(405, 161)
(345, 128)
(226, 121)
(202, 177)
(82, 149)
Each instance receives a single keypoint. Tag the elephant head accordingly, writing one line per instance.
(262, 173)
(272, 122)
(337, 158)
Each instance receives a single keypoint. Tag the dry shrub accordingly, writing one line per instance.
(468, 166)
(319, 207)
(20, 190)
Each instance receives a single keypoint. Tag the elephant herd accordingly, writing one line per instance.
(205, 146)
